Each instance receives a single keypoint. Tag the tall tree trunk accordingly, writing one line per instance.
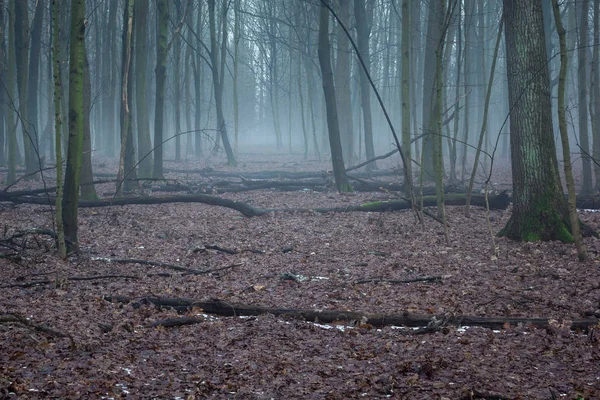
(176, 42)
(539, 207)
(88, 191)
(126, 162)
(219, 74)
(335, 144)
(582, 88)
(468, 72)
(453, 154)
(435, 124)
(343, 81)
(595, 94)
(111, 121)
(22, 59)
(33, 83)
(564, 135)
(434, 33)
(236, 62)
(3, 62)
(143, 124)
(198, 82)
(405, 97)
(62, 249)
(12, 148)
(362, 35)
(161, 75)
(75, 146)
(482, 133)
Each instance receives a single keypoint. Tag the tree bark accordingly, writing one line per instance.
(127, 170)
(337, 157)
(434, 34)
(362, 36)
(75, 146)
(564, 135)
(3, 63)
(218, 72)
(539, 208)
(582, 90)
(342, 84)
(161, 75)
(88, 191)
(143, 126)
(62, 249)
(34, 78)
(21, 33)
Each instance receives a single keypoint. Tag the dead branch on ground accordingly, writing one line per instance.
(408, 319)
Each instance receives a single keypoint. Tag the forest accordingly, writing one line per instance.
(326, 199)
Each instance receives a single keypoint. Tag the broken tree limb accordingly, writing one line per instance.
(411, 280)
(244, 208)
(408, 319)
(73, 278)
(497, 202)
(14, 318)
(174, 267)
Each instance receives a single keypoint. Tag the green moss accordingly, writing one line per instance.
(372, 204)
(543, 222)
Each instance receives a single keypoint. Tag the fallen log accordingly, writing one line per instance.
(223, 308)
(500, 201)
(244, 208)
(497, 202)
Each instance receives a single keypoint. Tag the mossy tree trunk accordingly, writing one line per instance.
(75, 145)
(337, 157)
(539, 207)
(564, 135)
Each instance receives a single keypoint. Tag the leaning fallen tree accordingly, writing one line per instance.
(499, 201)
(434, 322)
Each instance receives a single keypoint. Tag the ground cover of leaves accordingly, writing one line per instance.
(114, 353)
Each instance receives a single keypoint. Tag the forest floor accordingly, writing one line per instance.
(111, 350)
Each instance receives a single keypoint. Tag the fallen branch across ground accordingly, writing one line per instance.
(174, 267)
(73, 279)
(14, 318)
(411, 280)
(408, 319)
(499, 201)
